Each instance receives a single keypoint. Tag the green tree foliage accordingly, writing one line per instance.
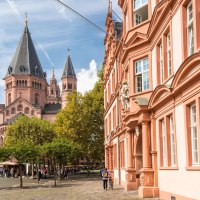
(33, 130)
(4, 153)
(82, 121)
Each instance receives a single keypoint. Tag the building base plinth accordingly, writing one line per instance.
(148, 192)
(131, 183)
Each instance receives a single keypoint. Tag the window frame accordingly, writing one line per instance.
(142, 74)
(190, 29)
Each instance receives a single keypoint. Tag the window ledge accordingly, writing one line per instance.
(169, 168)
(193, 168)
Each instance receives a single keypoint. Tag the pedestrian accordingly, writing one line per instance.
(105, 177)
(39, 175)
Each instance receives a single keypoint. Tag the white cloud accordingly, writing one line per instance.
(87, 77)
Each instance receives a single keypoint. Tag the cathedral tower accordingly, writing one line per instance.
(53, 91)
(25, 77)
(69, 81)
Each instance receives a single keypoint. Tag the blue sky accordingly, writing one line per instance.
(54, 29)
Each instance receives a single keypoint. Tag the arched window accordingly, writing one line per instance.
(32, 112)
(25, 83)
(36, 99)
(36, 70)
(19, 107)
(22, 68)
(9, 98)
(13, 110)
(64, 86)
(7, 112)
(69, 86)
(27, 110)
(22, 83)
(17, 83)
(51, 91)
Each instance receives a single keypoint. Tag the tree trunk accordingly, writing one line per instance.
(20, 174)
(32, 169)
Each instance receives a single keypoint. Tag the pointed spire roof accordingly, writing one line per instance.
(25, 60)
(68, 71)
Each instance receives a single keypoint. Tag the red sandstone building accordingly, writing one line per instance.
(152, 97)
(26, 89)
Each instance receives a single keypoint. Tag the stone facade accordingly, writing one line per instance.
(151, 98)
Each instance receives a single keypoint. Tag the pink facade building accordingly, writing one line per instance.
(152, 97)
(26, 89)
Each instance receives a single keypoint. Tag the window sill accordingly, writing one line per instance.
(169, 168)
(193, 168)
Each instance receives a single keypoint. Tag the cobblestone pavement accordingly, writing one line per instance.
(80, 187)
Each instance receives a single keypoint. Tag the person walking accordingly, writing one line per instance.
(39, 175)
(105, 177)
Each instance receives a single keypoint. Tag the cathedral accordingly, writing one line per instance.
(27, 91)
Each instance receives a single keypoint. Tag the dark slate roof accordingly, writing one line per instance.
(13, 119)
(68, 71)
(52, 108)
(25, 60)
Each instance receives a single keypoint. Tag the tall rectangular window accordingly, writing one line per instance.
(142, 75)
(194, 135)
(190, 29)
(140, 11)
(172, 141)
(164, 143)
(169, 67)
(161, 63)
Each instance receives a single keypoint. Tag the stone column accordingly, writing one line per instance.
(147, 189)
(130, 170)
(146, 145)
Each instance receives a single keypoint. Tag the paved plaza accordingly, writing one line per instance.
(80, 187)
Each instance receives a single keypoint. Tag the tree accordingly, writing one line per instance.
(34, 130)
(61, 151)
(82, 121)
(4, 153)
(24, 152)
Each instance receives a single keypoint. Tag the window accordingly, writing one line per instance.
(164, 144)
(27, 110)
(194, 135)
(122, 161)
(140, 8)
(19, 107)
(9, 98)
(161, 63)
(22, 68)
(172, 141)
(139, 3)
(13, 110)
(36, 70)
(169, 67)
(190, 29)
(36, 99)
(69, 86)
(142, 75)
(138, 18)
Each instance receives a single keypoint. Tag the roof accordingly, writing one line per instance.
(68, 71)
(25, 60)
(13, 119)
(53, 108)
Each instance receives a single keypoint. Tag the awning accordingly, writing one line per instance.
(8, 163)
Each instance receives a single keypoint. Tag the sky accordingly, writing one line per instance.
(54, 29)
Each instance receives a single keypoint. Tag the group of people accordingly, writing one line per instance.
(9, 172)
(107, 178)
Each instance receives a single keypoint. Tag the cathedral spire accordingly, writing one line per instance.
(53, 75)
(25, 60)
(68, 71)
